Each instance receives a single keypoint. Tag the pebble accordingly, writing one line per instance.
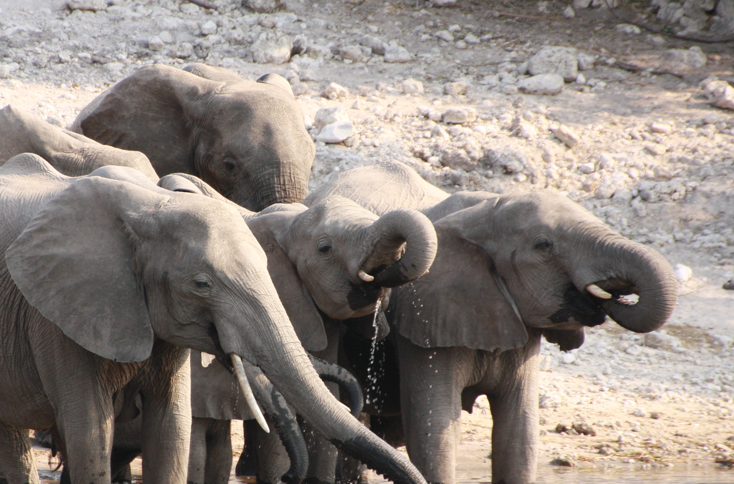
(656, 148)
(585, 61)
(569, 12)
(661, 341)
(271, 48)
(263, 6)
(471, 39)
(209, 28)
(352, 53)
(458, 88)
(719, 93)
(459, 115)
(581, 4)
(566, 135)
(443, 3)
(378, 46)
(87, 5)
(412, 86)
(397, 54)
(584, 429)
(336, 132)
(329, 115)
(587, 168)
(444, 35)
(568, 358)
(334, 91)
(692, 58)
(661, 128)
(555, 60)
(683, 273)
(628, 29)
(639, 412)
(542, 84)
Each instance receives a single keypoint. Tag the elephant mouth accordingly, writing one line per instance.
(579, 308)
(366, 295)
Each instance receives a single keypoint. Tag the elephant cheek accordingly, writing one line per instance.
(577, 309)
(363, 298)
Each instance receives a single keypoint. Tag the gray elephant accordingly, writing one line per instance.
(70, 153)
(508, 270)
(107, 279)
(246, 139)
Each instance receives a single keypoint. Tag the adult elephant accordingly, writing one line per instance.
(246, 139)
(508, 270)
(93, 297)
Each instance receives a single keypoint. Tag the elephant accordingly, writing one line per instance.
(107, 281)
(70, 153)
(246, 139)
(509, 269)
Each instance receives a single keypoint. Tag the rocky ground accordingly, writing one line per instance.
(497, 95)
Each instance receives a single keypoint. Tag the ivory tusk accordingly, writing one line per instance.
(239, 371)
(365, 277)
(598, 291)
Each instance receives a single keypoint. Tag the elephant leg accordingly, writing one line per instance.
(166, 423)
(16, 459)
(514, 408)
(272, 458)
(431, 380)
(218, 452)
(247, 463)
(197, 451)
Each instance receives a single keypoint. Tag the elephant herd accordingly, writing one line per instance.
(166, 271)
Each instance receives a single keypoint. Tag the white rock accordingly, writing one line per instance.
(271, 48)
(471, 39)
(335, 91)
(438, 132)
(577, 4)
(378, 47)
(693, 58)
(412, 86)
(581, 79)
(336, 132)
(527, 131)
(569, 12)
(566, 135)
(88, 5)
(443, 3)
(633, 350)
(661, 341)
(263, 6)
(542, 84)
(209, 28)
(568, 358)
(639, 412)
(555, 60)
(587, 168)
(166, 37)
(458, 88)
(459, 115)
(444, 35)
(586, 61)
(4, 71)
(719, 93)
(628, 29)
(397, 54)
(683, 273)
(352, 52)
(325, 116)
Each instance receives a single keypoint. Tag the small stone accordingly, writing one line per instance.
(166, 37)
(567, 136)
(581, 79)
(527, 131)
(639, 412)
(633, 350)
(683, 273)
(563, 427)
(184, 50)
(325, 116)
(378, 47)
(271, 47)
(458, 88)
(728, 285)
(580, 4)
(443, 3)
(555, 60)
(299, 88)
(334, 91)
(352, 52)
(584, 429)
(719, 93)
(586, 61)
(87, 5)
(568, 358)
(569, 12)
(656, 148)
(444, 35)
(397, 54)
(412, 86)
(299, 45)
(459, 115)
(564, 461)
(692, 58)
(4, 71)
(209, 28)
(440, 133)
(336, 132)
(661, 128)
(655, 415)
(628, 29)
(471, 39)
(542, 84)
(605, 191)
(587, 168)
(263, 6)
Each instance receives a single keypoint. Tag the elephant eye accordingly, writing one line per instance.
(324, 247)
(202, 284)
(543, 245)
(229, 166)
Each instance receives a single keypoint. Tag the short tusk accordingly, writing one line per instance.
(239, 371)
(365, 277)
(598, 291)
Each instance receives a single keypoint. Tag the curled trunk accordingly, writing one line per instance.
(336, 374)
(392, 233)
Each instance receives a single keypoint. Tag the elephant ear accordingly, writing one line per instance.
(154, 111)
(293, 294)
(566, 339)
(458, 303)
(74, 262)
(212, 73)
(214, 390)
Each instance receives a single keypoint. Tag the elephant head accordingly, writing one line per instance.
(246, 139)
(535, 260)
(115, 262)
(70, 153)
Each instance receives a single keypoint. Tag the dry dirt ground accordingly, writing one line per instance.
(654, 160)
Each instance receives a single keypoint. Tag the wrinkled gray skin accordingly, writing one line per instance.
(508, 270)
(244, 138)
(95, 298)
(70, 153)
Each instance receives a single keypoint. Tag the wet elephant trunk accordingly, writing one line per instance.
(334, 373)
(633, 268)
(387, 236)
(282, 185)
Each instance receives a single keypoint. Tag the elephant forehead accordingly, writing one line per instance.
(336, 214)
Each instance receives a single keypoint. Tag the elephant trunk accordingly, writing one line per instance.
(635, 269)
(281, 185)
(392, 233)
(346, 381)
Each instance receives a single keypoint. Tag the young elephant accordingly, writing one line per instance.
(95, 297)
(246, 139)
(508, 270)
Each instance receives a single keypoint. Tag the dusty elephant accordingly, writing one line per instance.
(95, 298)
(246, 139)
(508, 270)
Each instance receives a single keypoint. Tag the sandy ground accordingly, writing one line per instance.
(660, 407)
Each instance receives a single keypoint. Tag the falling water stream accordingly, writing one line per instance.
(371, 377)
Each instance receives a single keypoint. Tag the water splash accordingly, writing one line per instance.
(371, 377)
